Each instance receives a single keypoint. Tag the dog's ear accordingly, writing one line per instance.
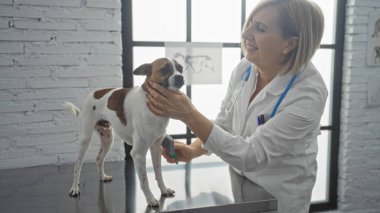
(144, 69)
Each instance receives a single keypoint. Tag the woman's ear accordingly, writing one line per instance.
(291, 44)
(145, 69)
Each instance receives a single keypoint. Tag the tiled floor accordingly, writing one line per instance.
(46, 189)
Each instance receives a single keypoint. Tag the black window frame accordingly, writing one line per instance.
(127, 68)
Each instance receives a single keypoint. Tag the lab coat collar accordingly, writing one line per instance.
(277, 85)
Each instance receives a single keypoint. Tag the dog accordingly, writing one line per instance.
(124, 111)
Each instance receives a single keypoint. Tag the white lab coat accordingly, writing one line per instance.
(280, 155)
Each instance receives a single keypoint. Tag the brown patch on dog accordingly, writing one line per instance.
(104, 129)
(143, 86)
(116, 103)
(100, 93)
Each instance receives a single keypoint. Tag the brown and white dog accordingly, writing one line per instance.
(124, 111)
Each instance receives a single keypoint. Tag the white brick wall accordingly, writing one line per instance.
(52, 51)
(359, 157)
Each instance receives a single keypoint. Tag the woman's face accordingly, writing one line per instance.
(264, 44)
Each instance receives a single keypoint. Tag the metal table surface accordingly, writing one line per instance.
(200, 187)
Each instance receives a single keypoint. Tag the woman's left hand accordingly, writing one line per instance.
(167, 103)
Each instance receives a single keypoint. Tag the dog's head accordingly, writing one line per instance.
(164, 71)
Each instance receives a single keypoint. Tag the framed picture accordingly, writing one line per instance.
(373, 49)
(202, 61)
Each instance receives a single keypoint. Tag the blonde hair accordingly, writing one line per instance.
(299, 18)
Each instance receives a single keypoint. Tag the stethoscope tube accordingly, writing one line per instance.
(283, 94)
(232, 101)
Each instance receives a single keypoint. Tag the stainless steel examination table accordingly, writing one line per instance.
(200, 187)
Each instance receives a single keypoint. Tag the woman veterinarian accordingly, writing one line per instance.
(268, 122)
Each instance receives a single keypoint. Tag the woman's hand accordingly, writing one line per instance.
(167, 103)
(176, 105)
(184, 152)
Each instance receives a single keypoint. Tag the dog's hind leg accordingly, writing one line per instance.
(155, 151)
(106, 140)
(138, 153)
(84, 142)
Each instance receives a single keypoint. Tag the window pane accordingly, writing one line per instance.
(155, 20)
(323, 62)
(176, 127)
(328, 9)
(144, 55)
(321, 183)
(216, 25)
(249, 5)
(208, 98)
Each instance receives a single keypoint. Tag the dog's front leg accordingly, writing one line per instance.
(138, 153)
(155, 151)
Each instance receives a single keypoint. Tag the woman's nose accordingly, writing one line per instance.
(247, 34)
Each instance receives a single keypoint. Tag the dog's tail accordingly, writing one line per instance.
(70, 106)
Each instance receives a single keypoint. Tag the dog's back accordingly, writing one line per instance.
(125, 109)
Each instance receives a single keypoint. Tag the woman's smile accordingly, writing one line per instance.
(250, 46)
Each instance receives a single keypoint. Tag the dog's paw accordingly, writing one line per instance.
(74, 192)
(152, 202)
(167, 192)
(106, 178)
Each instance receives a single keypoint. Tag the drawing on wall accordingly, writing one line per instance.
(373, 48)
(202, 62)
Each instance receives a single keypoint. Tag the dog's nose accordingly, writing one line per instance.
(178, 81)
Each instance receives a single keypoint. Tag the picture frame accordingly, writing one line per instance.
(202, 61)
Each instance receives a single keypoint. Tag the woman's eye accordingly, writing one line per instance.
(260, 27)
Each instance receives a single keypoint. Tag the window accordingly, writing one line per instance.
(148, 24)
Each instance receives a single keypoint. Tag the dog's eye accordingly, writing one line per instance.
(166, 69)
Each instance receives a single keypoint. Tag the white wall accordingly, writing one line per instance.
(359, 157)
(52, 51)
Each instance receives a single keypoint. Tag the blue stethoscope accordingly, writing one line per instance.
(261, 119)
